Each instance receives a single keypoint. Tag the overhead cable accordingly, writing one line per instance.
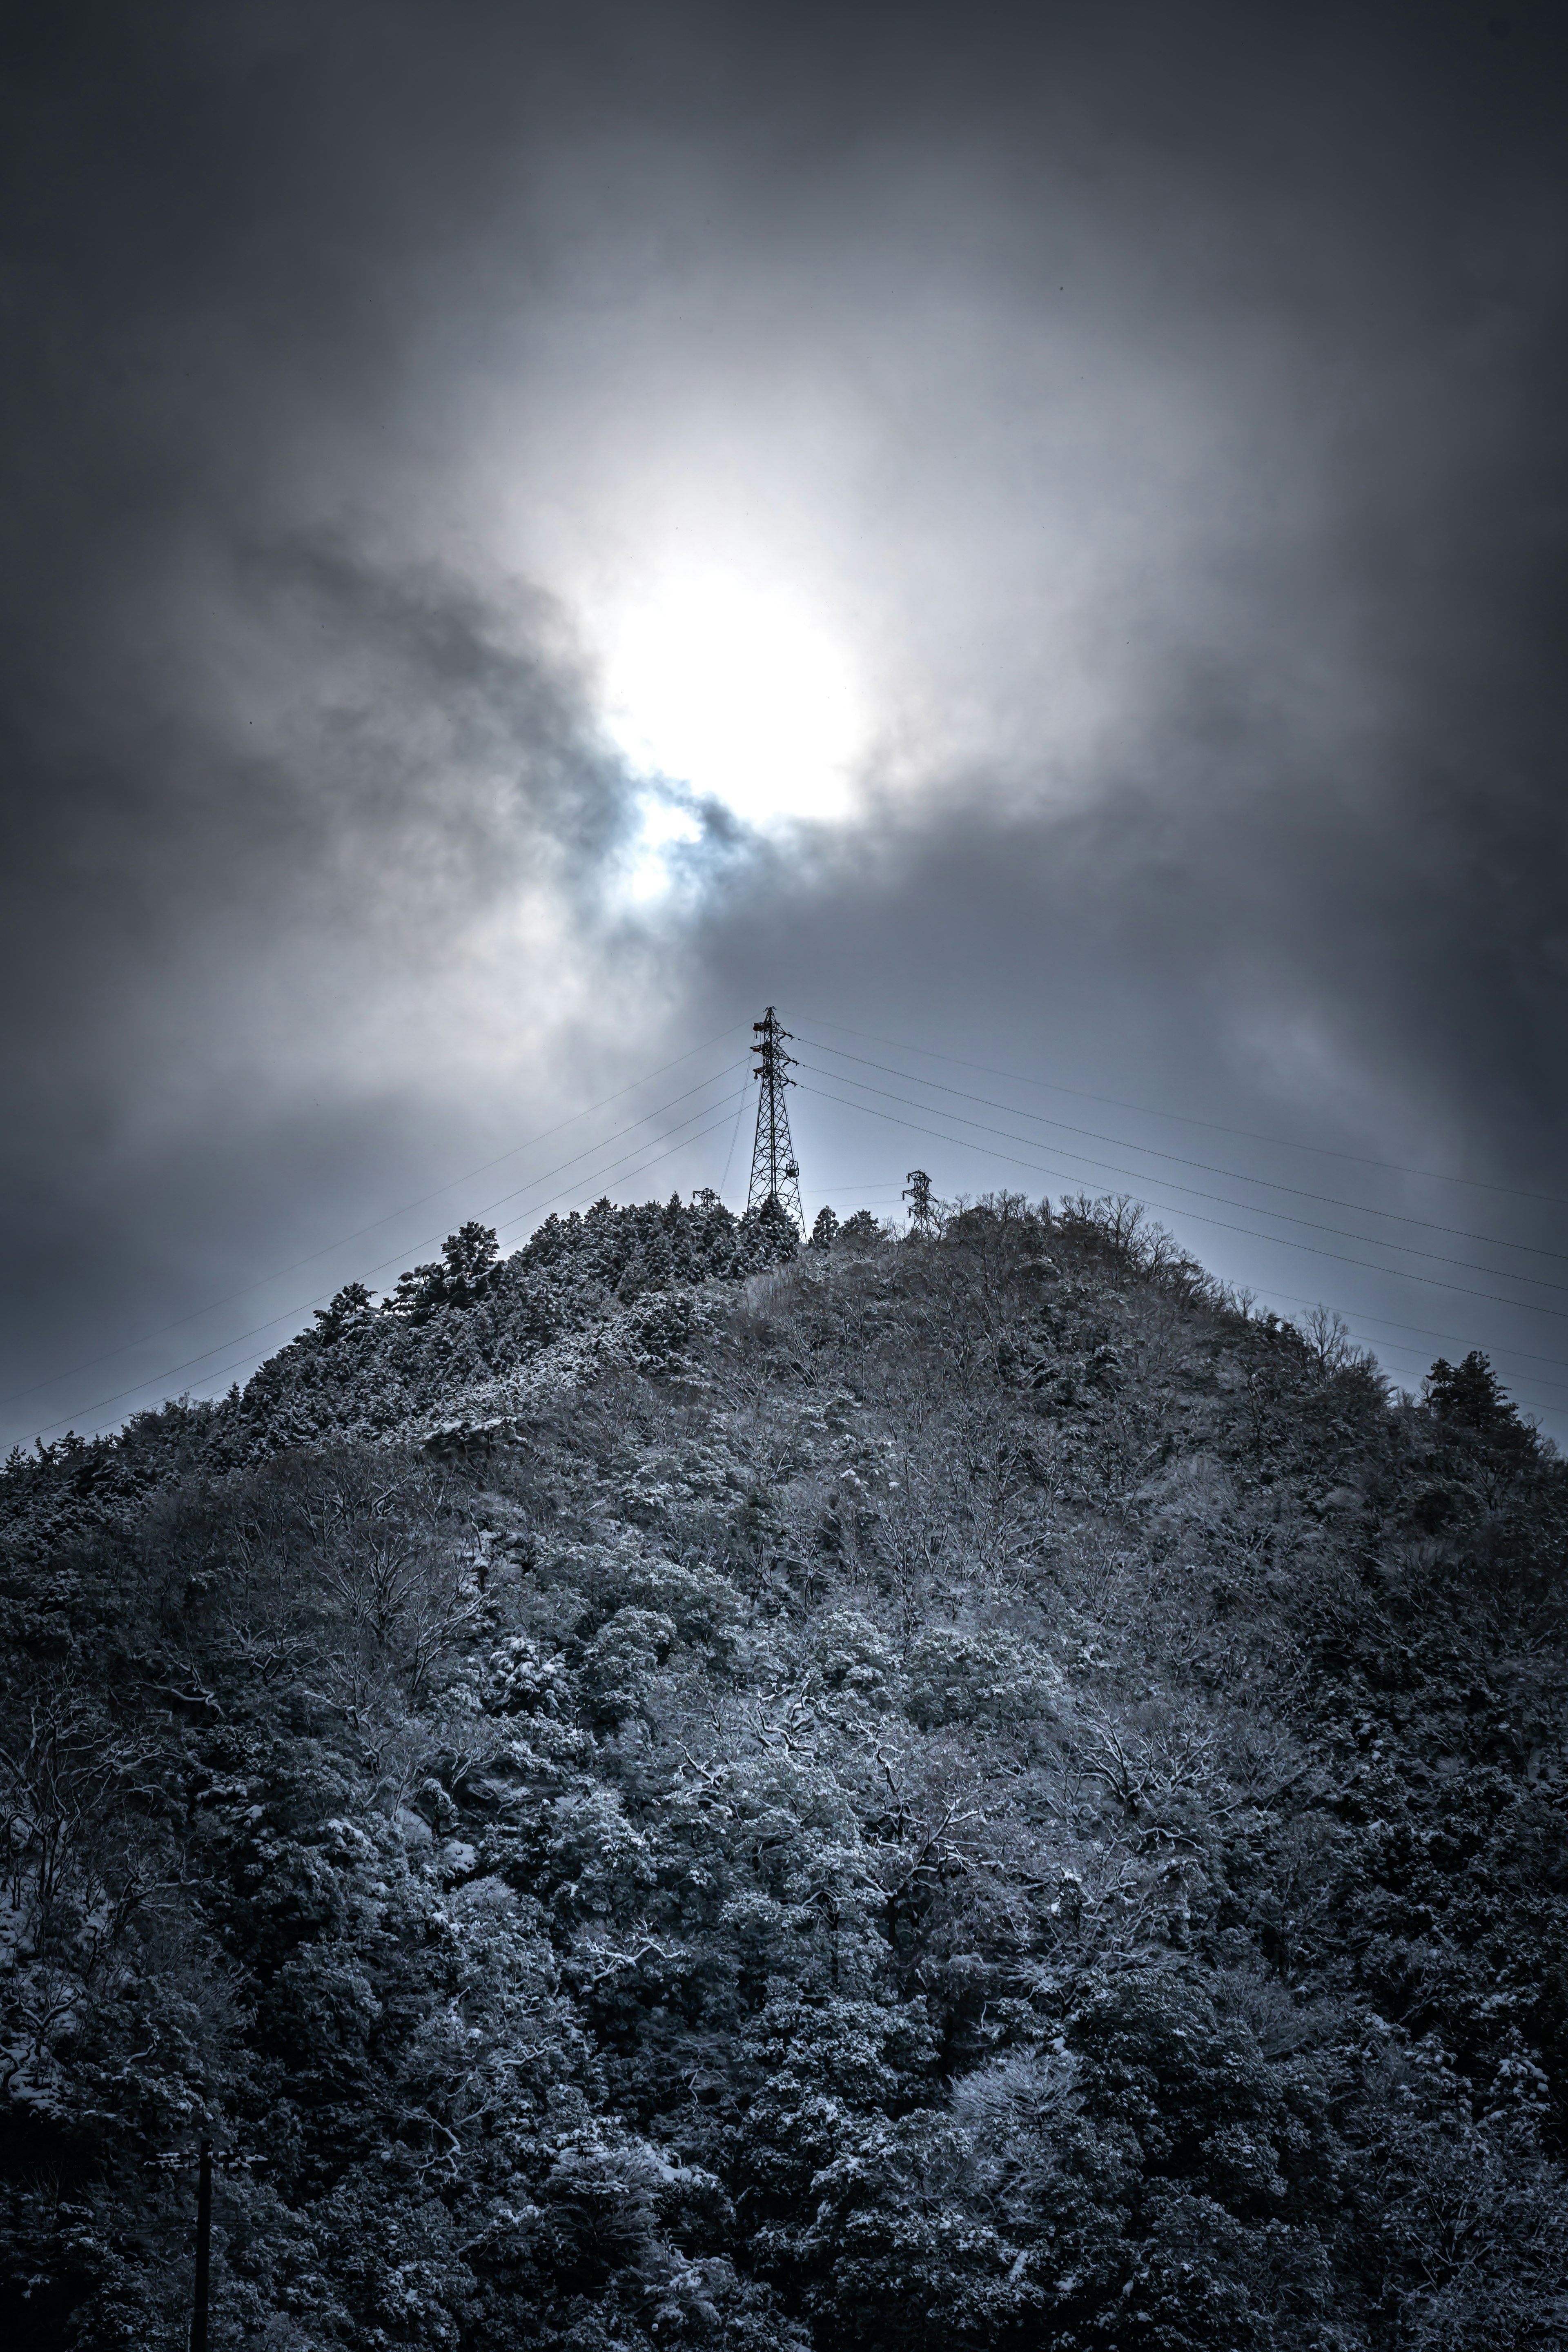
(1208, 1167)
(1172, 1184)
(1184, 1119)
(376, 1223)
(1520, 1306)
(286, 1314)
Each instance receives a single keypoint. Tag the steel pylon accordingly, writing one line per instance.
(774, 1175)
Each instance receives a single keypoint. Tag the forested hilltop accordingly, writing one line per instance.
(671, 1790)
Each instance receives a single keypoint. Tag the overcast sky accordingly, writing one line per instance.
(1034, 535)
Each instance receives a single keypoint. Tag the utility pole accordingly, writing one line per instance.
(204, 2248)
(776, 1178)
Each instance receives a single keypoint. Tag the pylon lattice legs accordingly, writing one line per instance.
(776, 1175)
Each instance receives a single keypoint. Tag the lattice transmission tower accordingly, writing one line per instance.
(774, 1174)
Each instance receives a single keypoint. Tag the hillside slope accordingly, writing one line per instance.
(934, 1793)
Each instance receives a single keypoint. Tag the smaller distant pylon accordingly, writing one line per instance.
(917, 1192)
(775, 1176)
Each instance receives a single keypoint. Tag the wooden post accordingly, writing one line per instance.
(204, 2248)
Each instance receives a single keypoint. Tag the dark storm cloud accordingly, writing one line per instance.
(1252, 319)
(252, 882)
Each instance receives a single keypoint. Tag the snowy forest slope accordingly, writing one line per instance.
(952, 1791)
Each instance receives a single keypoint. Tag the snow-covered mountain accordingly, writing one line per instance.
(676, 1790)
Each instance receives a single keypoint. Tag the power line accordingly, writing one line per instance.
(868, 1193)
(1520, 1306)
(358, 1235)
(779, 1137)
(735, 1138)
(1421, 1330)
(285, 1314)
(1250, 1135)
(1384, 1350)
(1142, 1176)
(1502, 1349)
(1418, 1355)
(489, 1209)
(1208, 1167)
(577, 1191)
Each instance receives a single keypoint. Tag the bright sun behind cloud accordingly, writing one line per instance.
(739, 692)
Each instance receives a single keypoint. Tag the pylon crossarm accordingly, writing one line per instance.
(775, 1173)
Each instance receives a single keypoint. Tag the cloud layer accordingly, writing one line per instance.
(1156, 411)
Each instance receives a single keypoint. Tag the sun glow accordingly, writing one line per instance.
(739, 693)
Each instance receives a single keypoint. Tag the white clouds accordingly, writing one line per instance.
(903, 471)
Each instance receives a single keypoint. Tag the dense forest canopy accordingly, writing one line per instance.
(676, 1790)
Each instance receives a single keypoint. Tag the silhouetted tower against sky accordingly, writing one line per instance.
(774, 1175)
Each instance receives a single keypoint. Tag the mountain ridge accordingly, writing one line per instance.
(938, 1790)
